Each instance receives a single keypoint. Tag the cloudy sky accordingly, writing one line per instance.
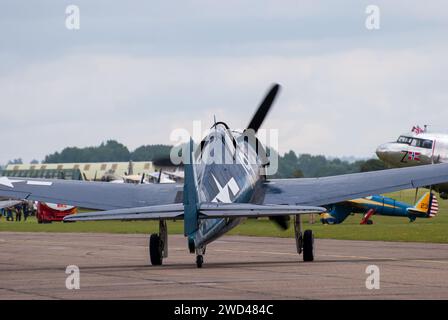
(136, 70)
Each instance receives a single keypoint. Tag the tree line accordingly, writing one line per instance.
(110, 151)
(290, 165)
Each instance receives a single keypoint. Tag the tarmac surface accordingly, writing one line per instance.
(115, 266)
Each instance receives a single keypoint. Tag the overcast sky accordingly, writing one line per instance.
(136, 70)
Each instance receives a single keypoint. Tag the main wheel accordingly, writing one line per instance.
(199, 261)
(155, 250)
(308, 245)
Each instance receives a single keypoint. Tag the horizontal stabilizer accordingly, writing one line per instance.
(427, 206)
(206, 210)
(234, 210)
(169, 211)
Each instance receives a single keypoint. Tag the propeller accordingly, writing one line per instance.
(255, 123)
(263, 109)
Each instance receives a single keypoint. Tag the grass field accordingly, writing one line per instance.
(384, 228)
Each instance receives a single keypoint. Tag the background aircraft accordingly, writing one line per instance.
(217, 195)
(426, 207)
(415, 148)
(9, 203)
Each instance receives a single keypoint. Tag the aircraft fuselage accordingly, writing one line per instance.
(416, 149)
(227, 170)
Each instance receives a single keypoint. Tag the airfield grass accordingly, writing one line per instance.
(383, 228)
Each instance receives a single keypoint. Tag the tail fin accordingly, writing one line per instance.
(427, 205)
(433, 206)
(190, 195)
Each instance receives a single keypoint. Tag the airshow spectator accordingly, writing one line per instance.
(26, 210)
(18, 209)
(9, 216)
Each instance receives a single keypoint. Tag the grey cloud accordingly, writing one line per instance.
(137, 70)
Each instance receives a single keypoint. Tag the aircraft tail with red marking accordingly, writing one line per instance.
(427, 206)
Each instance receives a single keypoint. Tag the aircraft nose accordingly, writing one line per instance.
(390, 152)
(382, 150)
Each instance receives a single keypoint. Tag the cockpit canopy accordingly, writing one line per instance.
(223, 144)
(416, 142)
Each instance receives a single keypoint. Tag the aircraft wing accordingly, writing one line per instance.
(206, 210)
(9, 203)
(176, 174)
(92, 195)
(169, 211)
(335, 189)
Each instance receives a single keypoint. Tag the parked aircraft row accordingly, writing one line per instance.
(215, 197)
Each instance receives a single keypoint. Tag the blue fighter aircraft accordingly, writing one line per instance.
(217, 195)
(426, 207)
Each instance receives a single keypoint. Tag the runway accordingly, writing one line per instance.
(115, 266)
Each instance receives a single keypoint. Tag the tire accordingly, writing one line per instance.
(308, 246)
(199, 261)
(155, 252)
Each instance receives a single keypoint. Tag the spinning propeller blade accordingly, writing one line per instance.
(263, 109)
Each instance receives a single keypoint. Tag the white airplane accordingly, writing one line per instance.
(417, 147)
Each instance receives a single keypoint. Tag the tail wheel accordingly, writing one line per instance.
(155, 250)
(308, 245)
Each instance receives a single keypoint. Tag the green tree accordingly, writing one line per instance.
(16, 161)
(372, 165)
(151, 152)
(109, 151)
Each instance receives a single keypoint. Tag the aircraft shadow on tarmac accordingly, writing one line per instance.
(233, 264)
(218, 265)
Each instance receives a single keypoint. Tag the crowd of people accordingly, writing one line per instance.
(16, 212)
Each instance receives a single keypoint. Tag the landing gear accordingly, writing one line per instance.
(158, 245)
(308, 245)
(155, 250)
(304, 241)
(199, 260)
(200, 256)
(366, 218)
